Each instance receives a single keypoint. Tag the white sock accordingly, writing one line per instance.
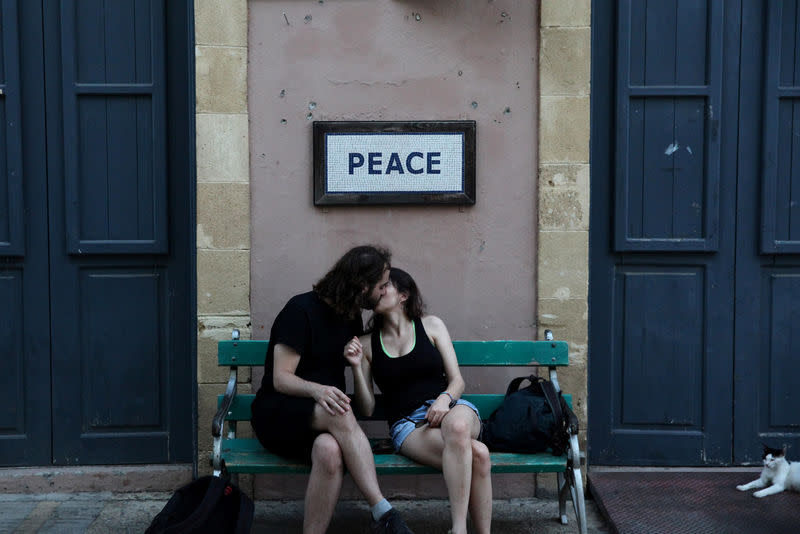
(379, 509)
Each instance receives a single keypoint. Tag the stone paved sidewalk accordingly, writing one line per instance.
(105, 512)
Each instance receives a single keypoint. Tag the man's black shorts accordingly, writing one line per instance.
(283, 424)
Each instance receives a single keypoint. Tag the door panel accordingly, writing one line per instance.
(114, 90)
(120, 265)
(11, 168)
(667, 174)
(768, 255)
(767, 396)
(661, 344)
(782, 313)
(24, 285)
(733, 356)
(116, 368)
(662, 246)
(110, 304)
(780, 206)
(96, 242)
(12, 365)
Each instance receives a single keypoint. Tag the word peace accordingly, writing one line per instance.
(415, 163)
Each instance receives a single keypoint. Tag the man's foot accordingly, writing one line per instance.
(390, 523)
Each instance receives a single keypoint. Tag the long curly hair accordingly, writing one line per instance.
(414, 306)
(343, 286)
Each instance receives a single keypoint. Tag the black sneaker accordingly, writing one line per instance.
(390, 523)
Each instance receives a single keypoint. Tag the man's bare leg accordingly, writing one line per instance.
(324, 484)
(355, 448)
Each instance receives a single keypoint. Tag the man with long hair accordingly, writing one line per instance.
(301, 411)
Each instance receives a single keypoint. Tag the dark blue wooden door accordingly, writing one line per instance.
(663, 238)
(111, 241)
(693, 283)
(767, 359)
(24, 283)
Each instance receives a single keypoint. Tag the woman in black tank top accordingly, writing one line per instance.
(411, 358)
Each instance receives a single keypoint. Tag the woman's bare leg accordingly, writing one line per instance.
(480, 493)
(450, 448)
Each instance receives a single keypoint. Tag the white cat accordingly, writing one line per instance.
(777, 475)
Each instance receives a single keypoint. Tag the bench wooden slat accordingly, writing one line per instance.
(486, 403)
(470, 353)
(242, 352)
(240, 408)
(504, 353)
(245, 455)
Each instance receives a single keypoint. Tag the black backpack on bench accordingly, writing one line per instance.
(530, 420)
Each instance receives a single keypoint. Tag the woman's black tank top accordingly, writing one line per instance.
(409, 380)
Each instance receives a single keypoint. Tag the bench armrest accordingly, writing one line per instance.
(574, 424)
(230, 392)
(574, 452)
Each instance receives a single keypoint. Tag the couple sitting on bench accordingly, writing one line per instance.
(301, 410)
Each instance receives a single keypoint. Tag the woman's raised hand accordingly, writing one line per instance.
(353, 352)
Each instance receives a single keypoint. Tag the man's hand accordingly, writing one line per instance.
(332, 399)
(438, 410)
(353, 352)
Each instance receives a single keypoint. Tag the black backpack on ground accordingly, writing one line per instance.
(209, 504)
(530, 420)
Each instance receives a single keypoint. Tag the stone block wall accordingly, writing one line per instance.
(563, 254)
(223, 197)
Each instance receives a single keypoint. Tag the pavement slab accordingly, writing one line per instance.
(104, 512)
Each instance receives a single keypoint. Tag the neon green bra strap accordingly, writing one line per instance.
(414, 344)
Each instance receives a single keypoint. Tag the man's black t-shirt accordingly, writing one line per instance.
(311, 327)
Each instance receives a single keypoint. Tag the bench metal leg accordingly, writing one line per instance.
(563, 488)
(217, 456)
(575, 483)
(578, 501)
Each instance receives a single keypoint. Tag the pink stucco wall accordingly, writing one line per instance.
(374, 60)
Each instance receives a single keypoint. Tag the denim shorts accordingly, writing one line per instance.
(402, 428)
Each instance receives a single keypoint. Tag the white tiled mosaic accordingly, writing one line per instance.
(395, 162)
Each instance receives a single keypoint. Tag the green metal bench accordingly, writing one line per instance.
(245, 455)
